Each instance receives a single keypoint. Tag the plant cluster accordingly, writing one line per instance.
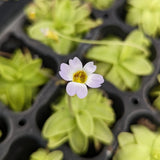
(145, 14)
(88, 119)
(20, 77)
(123, 65)
(100, 4)
(142, 143)
(42, 154)
(67, 17)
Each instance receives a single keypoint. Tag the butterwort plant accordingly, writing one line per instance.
(44, 154)
(69, 17)
(142, 143)
(77, 117)
(20, 79)
(144, 14)
(123, 65)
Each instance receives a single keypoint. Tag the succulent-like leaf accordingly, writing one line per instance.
(78, 141)
(16, 96)
(58, 123)
(145, 14)
(138, 65)
(102, 132)
(55, 155)
(85, 122)
(141, 131)
(57, 140)
(132, 152)
(125, 138)
(42, 154)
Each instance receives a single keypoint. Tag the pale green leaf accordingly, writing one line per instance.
(155, 152)
(16, 96)
(57, 140)
(115, 79)
(85, 122)
(156, 102)
(143, 135)
(55, 155)
(138, 65)
(102, 132)
(107, 54)
(29, 70)
(58, 123)
(131, 80)
(102, 111)
(78, 141)
(125, 138)
(40, 154)
(133, 152)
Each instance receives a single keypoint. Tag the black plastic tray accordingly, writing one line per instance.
(22, 131)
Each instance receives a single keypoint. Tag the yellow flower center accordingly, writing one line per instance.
(52, 35)
(80, 77)
(32, 15)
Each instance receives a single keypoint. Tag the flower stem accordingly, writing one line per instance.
(103, 42)
(70, 105)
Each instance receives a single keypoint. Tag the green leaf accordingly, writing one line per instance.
(102, 132)
(102, 111)
(8, 73)
(156, 102)
(107, 54)
(57, 140)
(40, 154)
(149, 23)
(55, 155)
(31, 69)
(78, 141)
(125, 138)
(85, 122)
(16, 96)
(133, 152)
(60, 122)
(141, 131)
(138, 65)
(115, 79)
(131, 80)
(156, 148)
(103, 68)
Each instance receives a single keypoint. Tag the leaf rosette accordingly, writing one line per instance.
(90, 119)
(70, 18)
(142, 143)
(123, 65)
(20, 79)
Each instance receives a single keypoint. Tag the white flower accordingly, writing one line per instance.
(79, 77)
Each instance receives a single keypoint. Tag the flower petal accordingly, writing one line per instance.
(90, 67)
(65, 72)
(95, 80)
(82, 90)
(71, 88)
(75, 64)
